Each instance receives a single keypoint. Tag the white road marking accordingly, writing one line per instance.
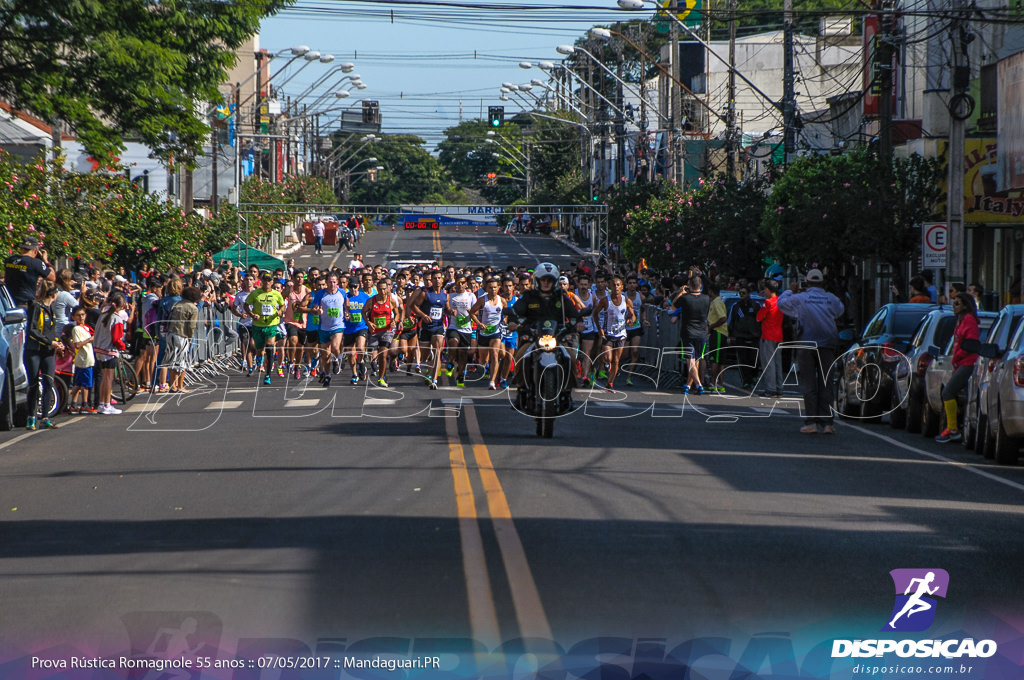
(150, 407)
(934, 456)
(291, 403)
(223, 405)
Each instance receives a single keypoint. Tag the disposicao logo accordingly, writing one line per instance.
(914, 611)
(916, 590)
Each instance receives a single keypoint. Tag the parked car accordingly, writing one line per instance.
(939, 373)
(14, 379)
(1001, 430)
(908, 395)
(867, 369)
(975, 409)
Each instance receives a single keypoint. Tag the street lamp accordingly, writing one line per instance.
(570, 49)
(346, 67)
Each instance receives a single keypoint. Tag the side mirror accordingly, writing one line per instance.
(989, 350)
(15, 316)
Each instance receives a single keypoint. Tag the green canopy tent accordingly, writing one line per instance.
(243, 256)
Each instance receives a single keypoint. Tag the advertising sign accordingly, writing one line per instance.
(872, 90)
(1010, 126)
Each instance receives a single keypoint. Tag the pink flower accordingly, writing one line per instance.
(138, 251)
(668, 247)
(846, 184)
(154, 249)
(31, 227)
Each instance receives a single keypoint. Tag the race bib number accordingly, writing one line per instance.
(461, 320)
(314, 319)
(407, 323)
(357, 317)
(296, 316)
(436, 313)
(334, 312)
(380, 322)
(618, 327)
(267, 310)
(490, 329)
(588, 324)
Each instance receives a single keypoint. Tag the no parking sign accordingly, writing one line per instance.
(933, 245)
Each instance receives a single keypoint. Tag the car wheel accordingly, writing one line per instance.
(986, 442)
(842, 398)
(1006, 447)
(7, 404)
(897, 414)
(913, 413)
(929, 421)
(969, 432)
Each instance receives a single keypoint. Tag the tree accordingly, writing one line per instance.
(410, 175)
(104, 68)
(833, 210)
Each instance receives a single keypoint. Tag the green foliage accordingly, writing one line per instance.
(411, 175)
(104, 67)
(715, 224)
(833, 210)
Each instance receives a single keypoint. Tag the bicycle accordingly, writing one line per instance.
(126, 380)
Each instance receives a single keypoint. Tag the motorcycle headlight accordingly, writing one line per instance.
(547, 342)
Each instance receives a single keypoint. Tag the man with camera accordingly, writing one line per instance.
(22, 272)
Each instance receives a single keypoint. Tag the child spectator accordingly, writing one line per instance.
(81, 344)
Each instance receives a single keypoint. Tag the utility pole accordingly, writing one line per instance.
(956, 267)
(620, 120)
(213, 186)
(675, 115)
(730, 133)
(788, 82)
(885, 83)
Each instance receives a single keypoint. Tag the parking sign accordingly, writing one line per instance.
(933, 246)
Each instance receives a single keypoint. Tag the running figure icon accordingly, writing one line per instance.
(915, 603)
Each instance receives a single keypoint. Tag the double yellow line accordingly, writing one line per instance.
(437, 246)
(530, 615)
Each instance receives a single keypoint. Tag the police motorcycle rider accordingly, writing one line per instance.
(544, 310)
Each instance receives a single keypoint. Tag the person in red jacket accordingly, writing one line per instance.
(963, 362)
(770, 317)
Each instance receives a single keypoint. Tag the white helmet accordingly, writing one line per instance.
(544, 270)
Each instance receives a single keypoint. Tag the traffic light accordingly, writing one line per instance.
(496, 114)
(492, 179)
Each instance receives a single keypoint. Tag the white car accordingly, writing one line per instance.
(13, 379)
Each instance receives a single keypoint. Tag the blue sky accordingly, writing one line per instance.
(421, 66)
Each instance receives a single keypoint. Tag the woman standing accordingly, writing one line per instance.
(181, 328)
(963, 362)
(42, 343)
(108, 343)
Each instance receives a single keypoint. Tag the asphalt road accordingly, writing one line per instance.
(296, 518)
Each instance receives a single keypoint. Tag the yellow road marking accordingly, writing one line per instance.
(482, 614)
(533, 622)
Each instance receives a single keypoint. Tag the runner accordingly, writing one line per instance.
(310, 351)
(509, 338)
(266, 306)
(329, 306)
(384, 318)
(590, 334)
(487, 313)
(634, 330)
(619, 312)
(428, 306)
(295, 324)
(240, 310)
(356, 330)
(408, 347)
(460, 328)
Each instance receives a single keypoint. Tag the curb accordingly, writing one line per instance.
(573, 247)
(288, 251)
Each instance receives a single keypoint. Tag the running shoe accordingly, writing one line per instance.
(629, 382)
(448, 370)
(89, 410)
(382, 382)
(579, 368)
(720, 389)
(587, 382)
(611, 387)
(326, 382)
(686, 389)
(602, 374)
(47, 424)
(30, 424)
(504, 384)
(948, 436)
(280, 371)
(460, 381)
(109, 410)
(266, 381)
(362, 370)
(355, 380)
(491, 386)
(433, 384)
(699, 390)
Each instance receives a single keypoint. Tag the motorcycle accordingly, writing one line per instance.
(545, 390)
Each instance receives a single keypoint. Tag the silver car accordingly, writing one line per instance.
(908, 398)
(1002, 429)
(13, 379)
(939, 373)
(976, 408)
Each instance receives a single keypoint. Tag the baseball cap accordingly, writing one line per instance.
(815, 276)
(120, 279)
(90, 285)
(564, 280)
(29, 243)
